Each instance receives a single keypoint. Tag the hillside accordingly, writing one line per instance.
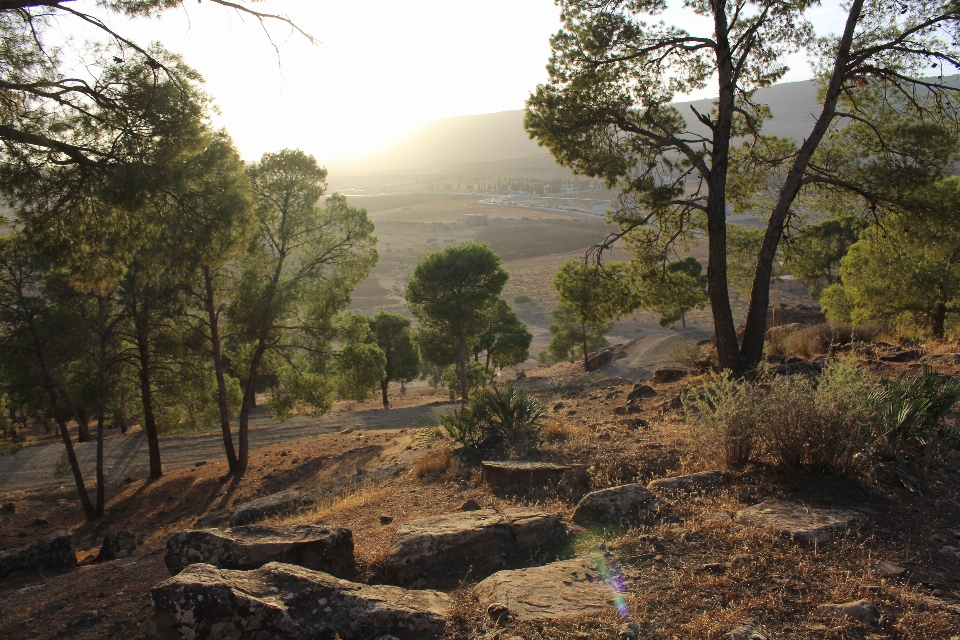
(496, 145)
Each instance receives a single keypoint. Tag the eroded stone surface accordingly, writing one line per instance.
(273, 505)
(626, 504)
(320, 548)
(286, 601)
(554, 591)
(51, 552)
(514, 475)
(806, 525)
(862, 611)
(690, 483)
(443, 548)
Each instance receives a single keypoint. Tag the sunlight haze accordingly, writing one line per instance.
(380, 70)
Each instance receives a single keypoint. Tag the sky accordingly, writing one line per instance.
(381, 68)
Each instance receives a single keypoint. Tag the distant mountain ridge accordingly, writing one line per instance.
(496, 144)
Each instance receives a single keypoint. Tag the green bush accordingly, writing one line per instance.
(507, 412)
(910, 412)
(722, 415)
(521, 299)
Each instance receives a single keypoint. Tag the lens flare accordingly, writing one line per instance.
(609, 569)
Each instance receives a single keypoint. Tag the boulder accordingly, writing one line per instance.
(886, 569)
(117, 545)
(314, 547)
(905, 355)
(600, 358)
(862, 611)
(640, 392)
(690, 483)
(806, 525)
(285, 601)
(626, 504)
(516, 475)
(274, 505)
(568, 589)
(54, 551)
(663, 376)
(442, 549)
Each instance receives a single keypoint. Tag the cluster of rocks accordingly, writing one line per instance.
(54, 551)
(259, 581)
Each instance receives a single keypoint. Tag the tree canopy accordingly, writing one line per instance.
(450, 293)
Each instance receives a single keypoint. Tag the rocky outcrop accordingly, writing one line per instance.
(807, 525)
(663, 376)
(568, 589)
(121, 544)
(442, 549)
(862, 611)
(277, 504)
(626, 504)
(517, 475)
(51, 552)
(641, 392)
(286, 601)
(690, 483)
(600, 358)
(314, 547)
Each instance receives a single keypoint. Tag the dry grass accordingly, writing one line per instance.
(434, 460)
(556, 430)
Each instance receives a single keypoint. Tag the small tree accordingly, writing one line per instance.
(298, 275)
(391, 332)
(674, 290)
(505, 341)
(813, 254)
(567, 333)
(450, 294)
(594, 294)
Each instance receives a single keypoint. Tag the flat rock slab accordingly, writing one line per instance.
(515, 475)
(51, 552)
(626, 504)
(862, 611)
(555, 591)
(277, 504)
(328, 549)
(286, 601)
(690, 483)
(802, 524)
(442, 549)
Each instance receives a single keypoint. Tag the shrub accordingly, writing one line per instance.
(492, 413)
(432, 461)
(722, 417)
(910, 412)
(798, 422)
(689, 353)
(521, 299)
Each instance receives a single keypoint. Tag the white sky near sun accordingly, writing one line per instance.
(381, 69)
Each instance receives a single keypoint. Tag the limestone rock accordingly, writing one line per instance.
(443, 548)
(470, 505)
(690, 483)
(862, 611)
(600, 358)
(51, 552)
(558, 590)
(802, 524)
(285, 601)
(663, 376)
(886, 569)
(626, 504)
(640, 392)
(273, 505)
(216, 519)
(514, 475)
(117, 545)
(314, 547)
(905, 355)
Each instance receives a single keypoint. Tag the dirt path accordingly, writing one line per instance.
(32, 468)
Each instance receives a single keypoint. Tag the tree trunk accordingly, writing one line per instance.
(752, 350)
(683, 318)
(83, 425)
(462, 363)
(383, 393)
(214, 320)
(249, 398)
(51, 387)
(148, 421)
(583, 336)
(937, 317)
(101, 404)
(717, 289)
